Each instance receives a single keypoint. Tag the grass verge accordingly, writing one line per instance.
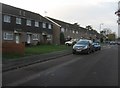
(36, 50)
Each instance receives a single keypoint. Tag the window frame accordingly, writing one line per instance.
(7, 19)
(35, 36)
(28, 22)
(18, 20)
(6, 36)
(49, 26)
(36, 23)
(44, 25)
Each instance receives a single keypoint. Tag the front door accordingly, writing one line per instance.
(17, 38)
(28, 39)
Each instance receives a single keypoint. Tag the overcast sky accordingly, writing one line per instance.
(83, 12)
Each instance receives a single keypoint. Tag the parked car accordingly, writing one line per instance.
(83, 46)
(71, 42)
(118, 42)
(97, 46)
(113, 43)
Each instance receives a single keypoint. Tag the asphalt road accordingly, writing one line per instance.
(96, 69)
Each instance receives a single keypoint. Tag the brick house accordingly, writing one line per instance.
(22, 26)
(72, 31)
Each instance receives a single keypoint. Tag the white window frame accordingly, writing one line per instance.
(36, 24)
(49, 37)
(77, 32)
(50, 26)
(44, 25)
(7, 19)
(35, 36)
(73, 31)
(28, 22)
(62, 30)
(8, 36)
(18, 20)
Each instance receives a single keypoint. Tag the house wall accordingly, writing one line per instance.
(56, 34)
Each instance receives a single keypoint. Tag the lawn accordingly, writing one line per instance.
(44, 49)
(35, 50)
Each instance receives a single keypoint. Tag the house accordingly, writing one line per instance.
(71, 31)
(22, 26)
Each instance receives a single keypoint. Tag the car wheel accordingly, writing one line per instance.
(74, 52)
(88, 52)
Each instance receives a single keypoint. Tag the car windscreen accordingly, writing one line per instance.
(83, 42)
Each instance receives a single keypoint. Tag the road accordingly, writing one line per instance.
(96, 69)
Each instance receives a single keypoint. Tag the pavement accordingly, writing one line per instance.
(12, 64)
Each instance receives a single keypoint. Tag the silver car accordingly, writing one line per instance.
(83, 46)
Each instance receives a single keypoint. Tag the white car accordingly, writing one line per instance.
(71, 42)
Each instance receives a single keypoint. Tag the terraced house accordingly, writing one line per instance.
(22, 26)
(72, 31)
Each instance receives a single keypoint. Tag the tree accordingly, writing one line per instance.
(111, 36)
(89, 27)
(62, 38)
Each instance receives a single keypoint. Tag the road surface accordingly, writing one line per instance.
(96, 69)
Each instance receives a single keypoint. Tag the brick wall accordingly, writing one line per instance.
(13, 48)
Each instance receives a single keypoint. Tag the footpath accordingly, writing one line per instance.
(29, 60)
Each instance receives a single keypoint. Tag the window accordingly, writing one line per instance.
(73, 31)
(76, 32)
(36, 24)
(8, 36)
(28, 23)
(44, 25)
(7, 18)
(62, 30)
(35, 36)
(49, 37)
(24, 13)
(49, 26)
(18, 20)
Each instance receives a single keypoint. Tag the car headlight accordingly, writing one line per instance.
(85, 47)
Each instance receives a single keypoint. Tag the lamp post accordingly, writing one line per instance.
(101, 26)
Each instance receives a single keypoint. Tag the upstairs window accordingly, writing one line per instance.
(7, 36)
(7, 19)
(28, 23)
(73, 31)
(36, 24)
(62, 30)
(44, 25)
(77, 32)
(50, 26)
(18, 20)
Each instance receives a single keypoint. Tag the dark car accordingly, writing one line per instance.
(97, 46)
(83, 46)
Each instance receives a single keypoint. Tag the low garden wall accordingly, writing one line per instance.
(13, 48)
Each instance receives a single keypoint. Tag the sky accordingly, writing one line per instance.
(83, 12)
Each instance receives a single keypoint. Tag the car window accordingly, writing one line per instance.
(83, 42)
